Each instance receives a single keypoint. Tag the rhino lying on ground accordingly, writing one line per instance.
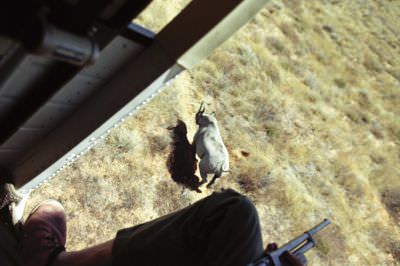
(214, 158)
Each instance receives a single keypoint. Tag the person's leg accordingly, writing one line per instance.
(222, 229)
(235, 236)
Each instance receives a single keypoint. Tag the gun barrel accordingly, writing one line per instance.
(305, 241)
(294, 243)
(319, 227)
(304, 248)
(306, 236)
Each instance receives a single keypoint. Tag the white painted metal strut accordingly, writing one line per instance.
(99, 134)
(182, 44)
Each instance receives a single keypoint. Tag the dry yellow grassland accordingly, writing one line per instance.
(307, 96)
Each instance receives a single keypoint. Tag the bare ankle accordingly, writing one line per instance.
(99, 255)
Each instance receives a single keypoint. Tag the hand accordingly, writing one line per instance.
(290, 259)
(287, 258)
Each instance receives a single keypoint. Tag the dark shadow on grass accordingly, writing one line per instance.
(182, 162)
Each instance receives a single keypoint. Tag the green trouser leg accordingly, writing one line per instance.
(222, 230)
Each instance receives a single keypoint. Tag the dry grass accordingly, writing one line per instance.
(307, 96)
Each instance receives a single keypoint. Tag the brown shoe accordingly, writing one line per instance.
(44, 234)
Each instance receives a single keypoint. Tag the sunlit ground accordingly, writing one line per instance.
(307, 96)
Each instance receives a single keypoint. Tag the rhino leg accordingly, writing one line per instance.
(217, 175)
(203, 174)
